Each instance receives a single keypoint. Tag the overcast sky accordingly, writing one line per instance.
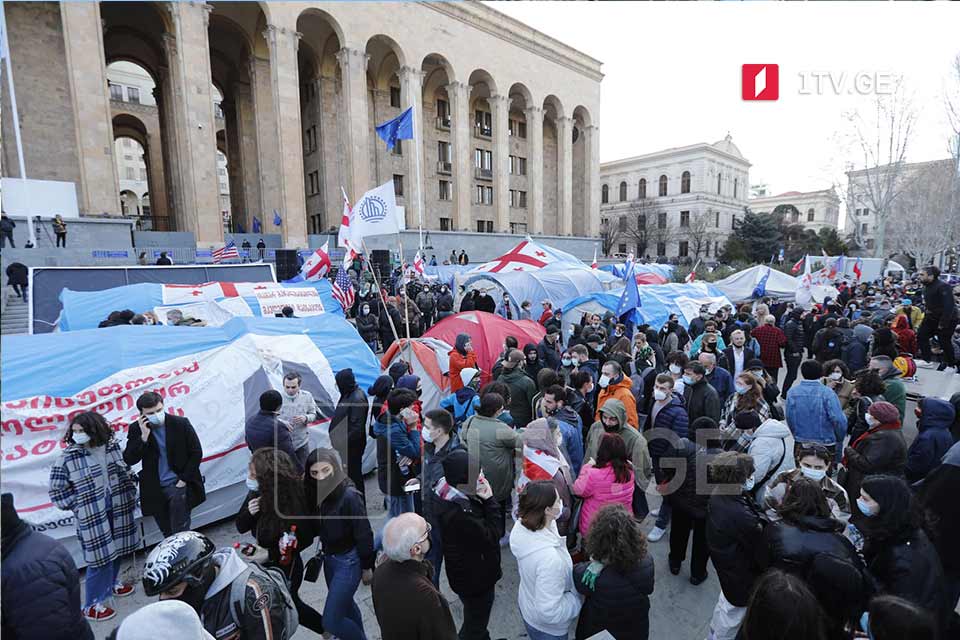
(672, 74)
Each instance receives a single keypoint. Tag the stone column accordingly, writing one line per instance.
(156, 181)
(87, 73)
(500, 109)
(188, 58)
(285, 76)
(163, 95)
(238, 205)
(248, 168)
(591, 198)
(411, 92)
(565, 174)
(353, 68)
(459, 94)
(268, 145)
(331, 146)
(535, 168)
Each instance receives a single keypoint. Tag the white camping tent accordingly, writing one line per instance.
(743, 286)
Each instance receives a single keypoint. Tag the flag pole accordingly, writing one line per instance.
(376, 283)
(417, 149)
(406, 298)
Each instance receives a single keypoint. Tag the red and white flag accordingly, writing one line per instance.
(318, 265)
(418, 263)
(343, 236)
(858, 268)
(594, 265)
(526, 256)
(691, 276)
(538, 464)
(797, 267)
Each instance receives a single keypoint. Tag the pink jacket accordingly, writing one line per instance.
(598, 488)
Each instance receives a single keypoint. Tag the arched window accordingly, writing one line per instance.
(663, 185)
(623, 192)
(685, 182)
(719, 181)
(604, 194)
(643, 188)
(811, 216)
(735, 187)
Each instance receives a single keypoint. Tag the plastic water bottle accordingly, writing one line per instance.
(404, 468)
(288, 545)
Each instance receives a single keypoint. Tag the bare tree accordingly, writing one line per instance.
(701, 232)
(926, 217)
(659, 231)
(881, 137)
(609, 234)
(952, 100)
(641, 216)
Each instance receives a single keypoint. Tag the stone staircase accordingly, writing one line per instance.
(15, 317)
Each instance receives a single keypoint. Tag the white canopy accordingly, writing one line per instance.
(743, 286)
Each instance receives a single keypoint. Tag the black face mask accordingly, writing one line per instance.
(194, 595)
(608, 429)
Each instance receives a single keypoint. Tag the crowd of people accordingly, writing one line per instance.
(771, 436)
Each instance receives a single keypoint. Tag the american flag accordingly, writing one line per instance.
(343, 289)
(226, 252)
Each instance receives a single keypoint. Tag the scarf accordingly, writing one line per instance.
(448, 493)
(869, 432)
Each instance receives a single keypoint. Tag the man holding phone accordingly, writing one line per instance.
(168, 447)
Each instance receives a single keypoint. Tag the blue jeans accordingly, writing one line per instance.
(341, 616)
(536, 634)
(99, 581)
(663, 519)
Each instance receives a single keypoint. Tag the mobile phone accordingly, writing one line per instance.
(413, 486)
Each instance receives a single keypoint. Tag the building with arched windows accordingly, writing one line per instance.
(677, 204)
(813, 210)
(507, 118)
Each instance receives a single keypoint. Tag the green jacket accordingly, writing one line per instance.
(496, 446)
(633, 439)
(896, 394)
(522, 391)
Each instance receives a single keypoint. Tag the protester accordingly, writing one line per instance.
(505, 308)
(898, 552)
(772, 450)
(548, 350)
(737, 354)
(463, 402)
(248, 600)
(718, 377)
(814, 462)
(614, 385)
(509, 343)
(906, 337)
(368, 326)
(688, 509)
(378, 392)
(398, 450)
(855, 352)
(531, 362)
(934, 419)
(894, 392)
(879, 450)
(339, 520)
(273, 509)
(40, 583)
(299, 409)
(462, 357)
(164, 260)
(584, 362)
(939, 319)
(793, 331)
(734, 539)
(266, 429)
(547, 307)
(91, 480)
(554, 405)
(6, 230)
(545, 457)
(747, 398)
(407, 605)
(579, 394)
(808, 543)
(427, 305)
(17, 278)
(771, 340)
(470, 521)
(813, 411)
(548, 599)
(782, 606)
(390, 321)
(893, 618)
(617, 581)
(170, 452)
(165, 620)
(522, 388)
(348, 426)
(700, 398)
(670, 423)
(607, 480)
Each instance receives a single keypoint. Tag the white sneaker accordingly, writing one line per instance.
(655, 512)
(656, 534)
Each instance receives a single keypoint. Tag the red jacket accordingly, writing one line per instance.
(906, 337)
(457, 363)
(545, 316)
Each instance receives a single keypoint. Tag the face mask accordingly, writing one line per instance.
(688, 380)
(555, 510)
(814, 474)
(748, 483)
(865, 509)
(604, 381)
(81, 438)
(741, 389)
(675, 369)
(427, 435)
(836, 375)
(565, 361)
(552, 412)
(659, 394)
(253, 485)
(870, 420)
(156, 419)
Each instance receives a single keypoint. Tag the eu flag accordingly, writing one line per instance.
(276, 218)
(761, 289)
(630, 298)
(400, 128)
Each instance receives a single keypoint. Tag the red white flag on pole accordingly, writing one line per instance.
(594, 265)
(693, 273)
(318, 265)
(343, 236)
(418, 263)
(796, 268)
(858, 268)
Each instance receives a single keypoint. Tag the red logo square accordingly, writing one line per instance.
(760, 81)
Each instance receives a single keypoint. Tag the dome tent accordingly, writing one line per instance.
(430, 361)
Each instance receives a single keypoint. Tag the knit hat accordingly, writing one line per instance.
(747, 420)
(164, 620)
(884, 412)
(756, 363)
(467, 374)
(456, 468)
(409, 381)
(381, 386)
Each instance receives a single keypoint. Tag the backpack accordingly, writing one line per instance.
(832, 347)
(272, 578)
(906, 366)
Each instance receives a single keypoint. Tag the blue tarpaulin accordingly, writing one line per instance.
(559, 284)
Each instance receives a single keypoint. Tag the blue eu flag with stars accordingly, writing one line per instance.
(400, 128)
(630, 298)
(761, 289)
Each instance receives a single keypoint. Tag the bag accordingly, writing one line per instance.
(276, 581)
(639, 503)
(311, 570)
(769, 474)
(573, 526)
(906, 366)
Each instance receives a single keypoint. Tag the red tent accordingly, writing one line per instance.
(487, 332)
(650, 278)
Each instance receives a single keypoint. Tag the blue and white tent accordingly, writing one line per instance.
(559, 284)
(657, 302)
(620, 270)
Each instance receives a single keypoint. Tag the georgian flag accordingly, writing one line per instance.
(318, 265)
(799, 265)
(594, 265)
(418, 263)
(343, 236)
(538, 464)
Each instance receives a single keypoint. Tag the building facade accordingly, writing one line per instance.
(506, 118)
(813, 210)
(677, 204)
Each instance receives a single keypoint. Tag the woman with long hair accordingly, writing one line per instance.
(836, 377)
(607, 480)
(617, 580)
(747, 398)
(782, 606)
(91, 480)
(868, 387)
(881, 449)
(340, 521)
(620, 352)
(275, 506)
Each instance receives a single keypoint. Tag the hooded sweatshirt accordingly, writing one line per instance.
(459, 360)
(635, 443)
(547, 597)
(933, 438)
(622, 390)
(772, 452)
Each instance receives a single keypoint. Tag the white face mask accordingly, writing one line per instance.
(870, 420)
(836, 375)
(426, 434)
(603, 381)
(81, 438)
(675, 369)
(659, 394)
(814, 474)
(748, 483)
(252, 484)
(156, 419)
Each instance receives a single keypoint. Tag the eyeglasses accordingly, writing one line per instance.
(425, 535)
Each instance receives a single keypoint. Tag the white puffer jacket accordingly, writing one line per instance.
(771, 440)
(549, 602)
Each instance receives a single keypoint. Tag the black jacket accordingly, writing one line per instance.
(184, 454)
(486, 303)
(368, 326)
(618, 603)
(796, 339)
(938, 302)
(270, 540)
(17, 274)
(909, 568)
(883, 451)
(343, 524)
(348, 427)
(471, 544)
(267, 430)
(815, 551)
(41, 587)
(445, 302)
(734, 535)
(686, 497)
(549, 354)
(701, 400)
(728, 362)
